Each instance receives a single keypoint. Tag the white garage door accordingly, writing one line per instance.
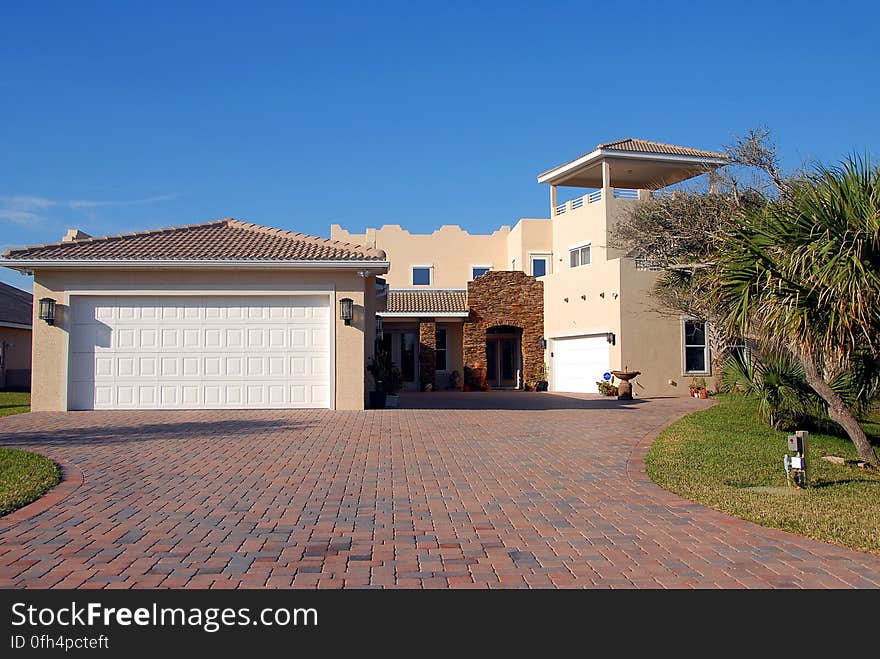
(579, 362)
(144, 352)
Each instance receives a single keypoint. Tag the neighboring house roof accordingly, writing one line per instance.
(16, 306)
(427, 301)
(222, 240)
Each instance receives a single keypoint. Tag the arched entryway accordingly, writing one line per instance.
(504, 357)
(505, 327)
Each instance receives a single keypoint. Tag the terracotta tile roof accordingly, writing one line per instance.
(646, 146)
(427, 301)
(223, 240)
(16, 305)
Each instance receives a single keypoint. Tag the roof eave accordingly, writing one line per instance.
(324, 264)
(554, 174)
(423, 314)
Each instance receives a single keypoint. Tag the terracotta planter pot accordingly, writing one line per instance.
(704, 394)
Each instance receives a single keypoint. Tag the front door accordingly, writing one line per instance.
(502, 362)
(403, 346)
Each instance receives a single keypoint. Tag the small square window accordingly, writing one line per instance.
(579, 256)
(479, 271)
(421, 276)
(539, 266)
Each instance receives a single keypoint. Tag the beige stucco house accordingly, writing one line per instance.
(595, 313)
(235, 315)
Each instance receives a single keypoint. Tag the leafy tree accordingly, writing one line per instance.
(803, 273)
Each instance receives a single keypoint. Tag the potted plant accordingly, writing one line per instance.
(606, 388)
(542, 384)
(702, 392)
(694, 389)
(387, 378)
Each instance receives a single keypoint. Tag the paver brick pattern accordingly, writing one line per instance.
(472, 494)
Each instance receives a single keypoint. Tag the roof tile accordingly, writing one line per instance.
(427, 301)
(223, 240)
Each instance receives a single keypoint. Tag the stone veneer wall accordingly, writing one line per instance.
(427, 354)
(505, 297)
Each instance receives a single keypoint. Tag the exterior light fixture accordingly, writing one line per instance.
(47, 310)
(611, 338)
(542, 343)
(380, 328)
(345, 309)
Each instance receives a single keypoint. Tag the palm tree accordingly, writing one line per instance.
(803, 272)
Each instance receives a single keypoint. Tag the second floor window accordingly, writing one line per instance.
(421, 276)
(540, 263)
(579, 256)
(479, 271)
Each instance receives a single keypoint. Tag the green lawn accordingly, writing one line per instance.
(24, 477)
(716, 455)
(14, 402)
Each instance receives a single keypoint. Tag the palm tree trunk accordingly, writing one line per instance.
(839, 412)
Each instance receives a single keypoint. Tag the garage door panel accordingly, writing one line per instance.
(579, 362)
(186, 352)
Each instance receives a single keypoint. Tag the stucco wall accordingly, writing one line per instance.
(16, 357)
(450, 250)
(527, 236)
(49, 390)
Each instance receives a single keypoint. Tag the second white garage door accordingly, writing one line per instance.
(188, 352)
(579, 362)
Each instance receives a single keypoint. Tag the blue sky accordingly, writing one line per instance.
(116, 117)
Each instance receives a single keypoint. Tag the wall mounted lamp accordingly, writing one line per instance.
(47, 310)
(345, 309)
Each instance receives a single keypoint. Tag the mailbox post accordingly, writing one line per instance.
(796, 467)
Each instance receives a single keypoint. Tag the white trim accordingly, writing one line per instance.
(423, 314)
(707, 354)
(379, 266)
(471, 275)
(635, 155)
(429, 267)
(327, 290)
(15, 325)
(547, 256)
(571, 334)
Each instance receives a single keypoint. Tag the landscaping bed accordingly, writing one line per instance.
(718, 457)
(24, 477)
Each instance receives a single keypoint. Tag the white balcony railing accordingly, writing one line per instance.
(592, 198)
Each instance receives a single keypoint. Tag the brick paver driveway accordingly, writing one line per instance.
(478, 496)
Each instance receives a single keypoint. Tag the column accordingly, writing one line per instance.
(427, 354)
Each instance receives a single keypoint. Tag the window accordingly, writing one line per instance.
(421, 275)
(479, 270)
(579, 256)
(696, 347)
(540, 264)
(440, 350)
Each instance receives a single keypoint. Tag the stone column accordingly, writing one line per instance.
(427, 354)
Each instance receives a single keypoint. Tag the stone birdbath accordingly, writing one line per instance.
(625, 389)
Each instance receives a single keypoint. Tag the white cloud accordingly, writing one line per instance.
(26, 209)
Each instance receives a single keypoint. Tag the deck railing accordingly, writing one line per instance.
(592, 198)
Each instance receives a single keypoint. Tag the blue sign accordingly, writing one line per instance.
(607, 376)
